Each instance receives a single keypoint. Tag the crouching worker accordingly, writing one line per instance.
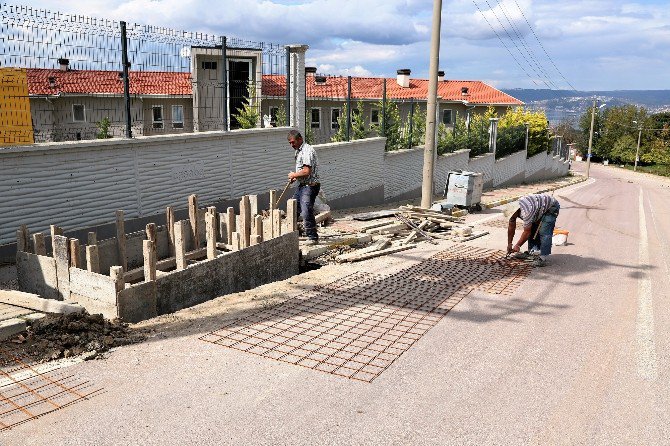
(538, 213)
(306, 175)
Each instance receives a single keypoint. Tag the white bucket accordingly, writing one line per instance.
(560, 237)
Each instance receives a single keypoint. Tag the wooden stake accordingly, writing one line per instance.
(92, 238)
(169, 218)
(230, 225)
(237, 241)
(21, 241)
(121, 240)
(62, 258)
(273, 200)
(92, 259)
(255, 240)
(149, 251)
(258, 228)
(276, 223)
(222, 227)
(210, 232)
(193, 218)
(245, 220)
(253, 205)
(75, 259)
(151, 232)
(179, 244)
(291, 215)
(39, 244)
(55, 230)
(26, 237)
(116, 273)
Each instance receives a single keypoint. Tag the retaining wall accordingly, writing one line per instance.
(510, 170)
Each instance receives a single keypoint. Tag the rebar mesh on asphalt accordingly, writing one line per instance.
(26, 393)
(357, 326)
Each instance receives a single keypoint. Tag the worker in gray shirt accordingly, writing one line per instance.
(307, 177)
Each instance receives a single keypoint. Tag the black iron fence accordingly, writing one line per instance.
(69, 77)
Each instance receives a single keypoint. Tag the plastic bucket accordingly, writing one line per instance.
(560, 237)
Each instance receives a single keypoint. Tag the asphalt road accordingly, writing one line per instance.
(579, 354)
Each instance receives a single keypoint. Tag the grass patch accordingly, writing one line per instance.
(656, 169)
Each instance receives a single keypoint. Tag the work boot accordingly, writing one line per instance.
(538, 262)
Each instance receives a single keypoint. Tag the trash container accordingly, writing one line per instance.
(464, 189)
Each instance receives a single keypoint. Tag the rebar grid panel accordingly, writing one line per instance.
(26, 393)
(357, 326)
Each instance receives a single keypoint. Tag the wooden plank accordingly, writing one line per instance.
(393, 227)
(414, 233)
(21, 241)
(237, 241)
(25, 234)
(193, 218)
(92, 259)
(383, 252)
(92, 238)
(273, 200)
(180, 245)
(210, 232)
(169, 263)
(75, 259)
(377, 224)
(149, 252)
(376, 246)
(169, 219)
(121, 240)
(366, 216)
(39, 244)
(322, 216)
(292, 215)
(245, 221)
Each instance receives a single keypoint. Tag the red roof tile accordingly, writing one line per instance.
(107, 82)
(372, 88)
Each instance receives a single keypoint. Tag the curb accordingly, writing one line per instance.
(496, 203)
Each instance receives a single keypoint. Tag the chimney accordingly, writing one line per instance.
(464, 91)
(52, 82)
(403, 77)
(64, 64)
(440, 76)
(320, 80)
(121, 75)
(310, 71)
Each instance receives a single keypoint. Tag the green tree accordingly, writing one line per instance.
(389, 125)
(103, 128)
(538, 129)
(248, 116)
(280, 119)
(418, 134)
(358, 130)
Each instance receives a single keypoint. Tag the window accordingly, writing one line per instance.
(334, 118)
(208, 65)
(447, 117)
(316, 118)
(374, 116)
(273, 116)
(78, 113)
(177, 116)
(157, 115)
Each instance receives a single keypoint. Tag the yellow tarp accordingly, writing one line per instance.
(16, 127)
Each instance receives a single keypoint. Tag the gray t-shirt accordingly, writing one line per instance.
(533, 207)
(306, 156)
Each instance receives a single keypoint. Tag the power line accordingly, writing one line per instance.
(542, 46)
(515, 45)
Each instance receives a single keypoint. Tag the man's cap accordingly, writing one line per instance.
(510, 209)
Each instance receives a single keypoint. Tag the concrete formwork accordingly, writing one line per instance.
(165, 268)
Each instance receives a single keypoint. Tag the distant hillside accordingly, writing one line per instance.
(561, 105)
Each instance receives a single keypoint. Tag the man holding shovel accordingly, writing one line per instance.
(306, 174)
(539, 213)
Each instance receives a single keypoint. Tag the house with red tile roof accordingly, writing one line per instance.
(69, 104)
(327, 95)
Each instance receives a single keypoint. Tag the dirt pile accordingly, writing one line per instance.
(58, 336)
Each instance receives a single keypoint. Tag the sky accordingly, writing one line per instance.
(560, 45)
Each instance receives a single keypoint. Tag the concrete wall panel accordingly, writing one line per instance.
(37, 274)
(402, 172)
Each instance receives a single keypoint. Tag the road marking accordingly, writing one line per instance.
(646, 358)
(661, 241)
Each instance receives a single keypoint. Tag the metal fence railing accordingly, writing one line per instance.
(68, 77)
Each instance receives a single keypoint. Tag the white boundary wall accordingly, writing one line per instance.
(81, 184)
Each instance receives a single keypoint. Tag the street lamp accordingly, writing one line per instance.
(637, 152)
(593, 118)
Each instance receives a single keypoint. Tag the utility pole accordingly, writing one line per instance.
(429, 149)
(637, 152)
(588, 155)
